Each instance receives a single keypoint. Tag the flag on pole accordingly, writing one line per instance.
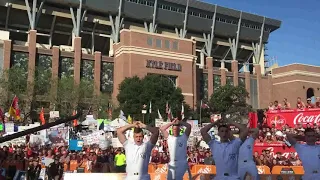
(129, 119)
(159, 115)
(204, 105)
(14, 110)
(75, 121)
(2, 116)
(150, 108)
(167, 108)
(121, 115)
(170, 116)
(41, 117)
(182, 112)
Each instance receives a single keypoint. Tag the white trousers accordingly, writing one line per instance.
(138, 177)
(226, 178)
(177, 170)
(248, 167)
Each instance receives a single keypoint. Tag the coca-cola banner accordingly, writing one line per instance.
(293, 117)
(274, 148)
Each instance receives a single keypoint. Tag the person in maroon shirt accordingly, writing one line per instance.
(201, 156)
(300, 104)
(309, 104)
(165, 159)
(155, 159)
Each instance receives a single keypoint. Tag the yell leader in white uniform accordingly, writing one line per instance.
(246, 163)
(225, 153)
(177, 145)
(309, 153)
(138, 152)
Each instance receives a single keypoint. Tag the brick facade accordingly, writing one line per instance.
(175, 57)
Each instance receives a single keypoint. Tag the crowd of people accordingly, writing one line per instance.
(276, 105)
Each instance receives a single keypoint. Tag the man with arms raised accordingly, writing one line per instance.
(309, 153)
(177, 143)
(246, 163)
(138, 152)
(225, 153)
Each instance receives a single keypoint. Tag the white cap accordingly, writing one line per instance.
(268, 134)
(279, 133)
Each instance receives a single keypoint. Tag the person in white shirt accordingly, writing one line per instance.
(309, 153)
(137, 152)
(177, 145)
(225, 152)
(245, 162)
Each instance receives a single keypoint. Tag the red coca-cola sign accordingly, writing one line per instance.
(275, 148)
(293, 117)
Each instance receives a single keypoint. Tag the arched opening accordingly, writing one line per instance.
(310, 94)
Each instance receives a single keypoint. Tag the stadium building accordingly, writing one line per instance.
(198, 46)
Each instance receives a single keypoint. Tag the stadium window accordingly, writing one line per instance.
(209, 16)
(158, 43)
(175, 45)
(174, 9)
(167, 44)
(181, 10)
(203, 15)
(160, 6)
(150, 3)
(149, 41)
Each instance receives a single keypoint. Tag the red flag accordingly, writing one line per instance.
(14, 110)
(75, 121)
(1, 115)
(41, 117)
(204, 105)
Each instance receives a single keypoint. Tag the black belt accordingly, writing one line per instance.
(314, 172)
(226, 174)
(245, 161)
(135, 174)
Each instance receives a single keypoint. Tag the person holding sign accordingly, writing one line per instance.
(177, 144)
(226, 151)
(309, 153)
(138, 152)
(246, 163)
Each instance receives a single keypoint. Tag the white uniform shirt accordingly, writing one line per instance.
(310, 157)
(225, 156)
(137, 157)
(177, 148)
(246, 150)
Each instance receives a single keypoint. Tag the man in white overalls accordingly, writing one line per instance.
(246, 163)
(226, 151)
(137, 152)
(309, 153)
(177, 144)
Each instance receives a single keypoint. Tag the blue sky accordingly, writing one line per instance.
(298, 39)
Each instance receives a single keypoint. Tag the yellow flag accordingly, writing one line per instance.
(129, 119)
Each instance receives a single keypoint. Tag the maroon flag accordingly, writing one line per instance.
(1, 115)
(204, 105)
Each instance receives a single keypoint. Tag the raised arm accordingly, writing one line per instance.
(243, 130)
(154, 131)
(164, 128)
(188, 127)
(254, 132)
(204, 131)
(291, 138)
(120, 131)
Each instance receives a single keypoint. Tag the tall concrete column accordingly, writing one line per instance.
(55, 73)
(257, 68)
(247, 81)
(235, 71)
(194, 83)
(210, 75)
(97, 72)
(32, 47)
(77, 59)
(7, 48)
(223, 74)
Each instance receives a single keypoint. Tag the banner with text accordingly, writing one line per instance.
(292, 117)
(275, 148)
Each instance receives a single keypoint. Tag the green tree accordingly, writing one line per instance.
(157, 89)
(230, 101)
